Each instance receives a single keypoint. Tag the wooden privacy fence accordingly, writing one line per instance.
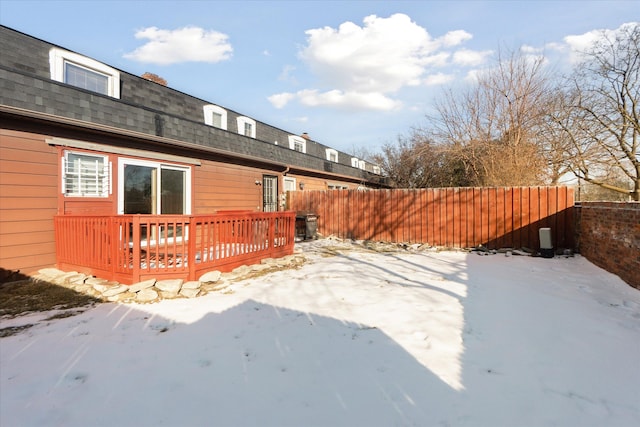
(452, 217)
(131, 248)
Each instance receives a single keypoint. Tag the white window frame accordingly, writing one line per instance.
(102, 177)
(122, 161)
(210, 110)
(376, 170)
(58, 58)
(331, 153)
(362, 164)
(295, 139)
(291, 183)
(354, 162)
(246, 120)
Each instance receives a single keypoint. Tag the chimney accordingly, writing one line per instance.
(305, 135)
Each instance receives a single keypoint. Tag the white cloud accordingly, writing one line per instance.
(188, 44)
(287, 75)
(438, 79)
(581, 43)
(280, 100)
(337, 98)
(454, 38)
(528, 50)
(470, 58)
(362, 66)
(383, 55)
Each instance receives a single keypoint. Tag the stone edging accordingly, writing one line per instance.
(152, 290)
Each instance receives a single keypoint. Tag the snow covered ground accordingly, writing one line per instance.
(353, 338)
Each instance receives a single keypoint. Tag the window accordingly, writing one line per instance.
(79, 71)
(297, 143)
(246, 127)
(362, 164)
(269, 193)
(289, 184)
(332, 155)
(215, 116)
(147, 187)
(354, 162)
(376, 170)
(337, 186)
(85, 175)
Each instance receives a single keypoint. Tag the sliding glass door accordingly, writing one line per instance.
(153, 188)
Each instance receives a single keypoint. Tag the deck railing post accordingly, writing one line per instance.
(191, 257)
(271, 235)
(135, 223)
(112, 242)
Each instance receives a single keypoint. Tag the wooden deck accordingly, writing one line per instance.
(132, 248)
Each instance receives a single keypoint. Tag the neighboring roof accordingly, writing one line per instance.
(147, 111)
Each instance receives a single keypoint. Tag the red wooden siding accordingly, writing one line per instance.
(28, 201)
(454, 217)
(220, 186)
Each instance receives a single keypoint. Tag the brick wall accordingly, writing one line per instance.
(608, 235)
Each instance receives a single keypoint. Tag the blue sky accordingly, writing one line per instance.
(353, 74)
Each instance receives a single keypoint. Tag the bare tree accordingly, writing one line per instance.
(493, 127)
(417, 162)
(598, 115)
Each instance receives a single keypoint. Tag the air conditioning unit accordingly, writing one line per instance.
(546, 246)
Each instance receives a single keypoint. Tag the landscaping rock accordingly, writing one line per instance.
(76, 279)
(168, 295)
(115, 290)
(102, 287)
(91, 281)
(242, 270)
(170, 285)
(123, 297)
(189, 293)
(62, 279)
(146, 295)
(212, 287)
(137, 287)
(193, 284)
(50, 272)
(210, 277)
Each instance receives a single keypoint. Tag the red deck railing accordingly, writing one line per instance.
(132, 248)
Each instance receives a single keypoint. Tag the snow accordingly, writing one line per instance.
(353, 338)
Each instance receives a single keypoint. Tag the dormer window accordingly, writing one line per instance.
(332, 155)
(85, 73)
(354, 162)
(376, 170)
(297, 143)
(215, 116)
(362, 164)
(246, 127)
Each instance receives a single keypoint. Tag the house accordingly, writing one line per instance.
(81, 138)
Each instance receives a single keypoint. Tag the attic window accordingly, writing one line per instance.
(246, 127)
(85, 73)
(332, 155)
(297, 143)
(215, 116)
(354, 162)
